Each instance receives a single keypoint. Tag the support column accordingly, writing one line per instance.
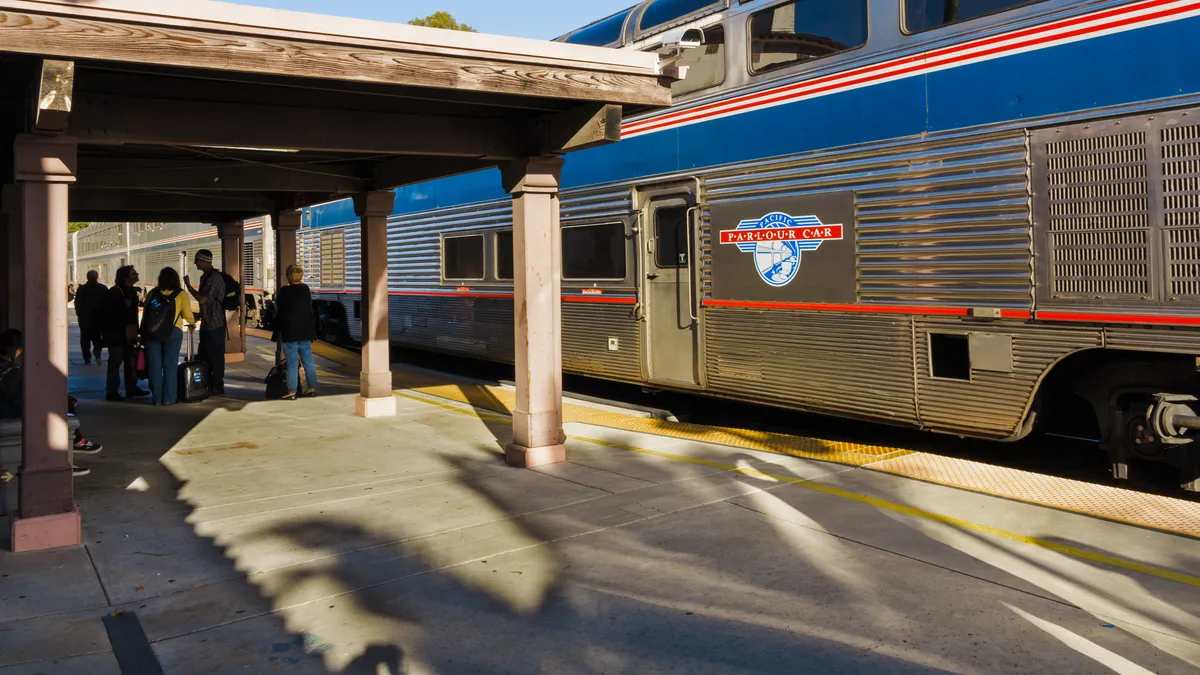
(286, 223)
(537, 296)
(233, 238)
(14, 274)
(375, 382)
(45, 165)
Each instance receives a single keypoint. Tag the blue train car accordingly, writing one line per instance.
(967, 216)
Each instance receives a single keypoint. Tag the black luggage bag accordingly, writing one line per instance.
(276, 380)
(194, 377)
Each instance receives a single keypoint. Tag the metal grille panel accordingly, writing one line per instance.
(1099, 218)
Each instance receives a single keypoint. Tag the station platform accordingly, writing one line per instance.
(247, 536)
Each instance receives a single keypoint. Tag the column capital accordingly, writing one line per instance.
(231, 230)
(532, 175)
(377, 203)
(45, 159)
(286, 220)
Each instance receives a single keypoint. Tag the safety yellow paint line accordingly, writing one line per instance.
(1072, 551)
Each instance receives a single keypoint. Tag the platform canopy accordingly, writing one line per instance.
(187, 110)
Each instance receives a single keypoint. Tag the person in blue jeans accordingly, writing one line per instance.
(296, 328)
(162, 355)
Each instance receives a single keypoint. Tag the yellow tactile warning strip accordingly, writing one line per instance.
(501, 400)
(1102, 501)
(1072, 551)
(1154, 512)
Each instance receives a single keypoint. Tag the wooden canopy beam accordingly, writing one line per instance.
(77, 31)
(146, 203)
(167, 174)
(579, 128)
(116, 120)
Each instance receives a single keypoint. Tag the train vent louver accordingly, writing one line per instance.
(1181, 210)
(1099, 225)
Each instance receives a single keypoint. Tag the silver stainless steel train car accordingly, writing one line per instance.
(967, 216)
(149, 247)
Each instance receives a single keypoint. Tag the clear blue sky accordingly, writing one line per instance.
(544, 19)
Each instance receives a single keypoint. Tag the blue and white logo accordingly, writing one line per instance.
(777, 241)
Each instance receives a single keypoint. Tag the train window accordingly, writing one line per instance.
(594, 252)
(601, 33)
(804, 30)
(670, 237)
(462, 257)
(504, 255)
(922, 15)
(666, 11)
(706, 64)
(950, 356)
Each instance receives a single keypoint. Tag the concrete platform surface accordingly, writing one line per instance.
(293, 537)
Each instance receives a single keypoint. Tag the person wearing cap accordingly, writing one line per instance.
(212, 319)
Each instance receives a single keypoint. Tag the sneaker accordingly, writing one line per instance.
(77, 471)
(87, 362)
(86, 447)
(138, 393)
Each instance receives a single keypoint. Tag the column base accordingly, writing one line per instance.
(527, 458)
(235, 357)
(375, 407)
(43, 532)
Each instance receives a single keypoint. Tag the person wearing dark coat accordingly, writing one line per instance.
(120, 325)
(89, 298)
(295, 327)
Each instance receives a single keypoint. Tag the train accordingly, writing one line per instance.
(149, 247)
(970, 217)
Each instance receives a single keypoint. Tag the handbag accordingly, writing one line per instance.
(276, 379)
(142, 371)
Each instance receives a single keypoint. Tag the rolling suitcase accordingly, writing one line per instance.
(193, 377)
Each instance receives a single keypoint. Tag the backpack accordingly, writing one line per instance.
(158, 316)
(233, 293)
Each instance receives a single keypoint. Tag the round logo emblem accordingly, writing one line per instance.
(777, 261)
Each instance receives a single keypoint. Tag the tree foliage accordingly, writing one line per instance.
(442, 20)
(75, 227)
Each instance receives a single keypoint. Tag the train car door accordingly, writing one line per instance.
(672, 328)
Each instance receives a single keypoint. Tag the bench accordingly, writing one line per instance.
(10, 458)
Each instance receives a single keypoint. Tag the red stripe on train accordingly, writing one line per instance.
(497, 296)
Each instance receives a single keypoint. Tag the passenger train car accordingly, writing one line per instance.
(149, 247)
(967, 216)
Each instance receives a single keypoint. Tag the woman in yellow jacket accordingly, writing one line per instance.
(165, 310)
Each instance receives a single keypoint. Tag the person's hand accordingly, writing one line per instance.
(187, 280)
(191, 328)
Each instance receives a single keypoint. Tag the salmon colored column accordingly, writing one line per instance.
(233, 238)
(286, 224)
(375, 382)
(48, 518)
(537, 289)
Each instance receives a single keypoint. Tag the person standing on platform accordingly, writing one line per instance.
(120, 324)
(167, 307)
(212, 319)
(89, 298)
(296, 330)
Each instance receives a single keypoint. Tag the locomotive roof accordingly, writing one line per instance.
(645, 17)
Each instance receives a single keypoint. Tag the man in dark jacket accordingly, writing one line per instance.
(213, 330)
(88, 299)
(120, 325)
